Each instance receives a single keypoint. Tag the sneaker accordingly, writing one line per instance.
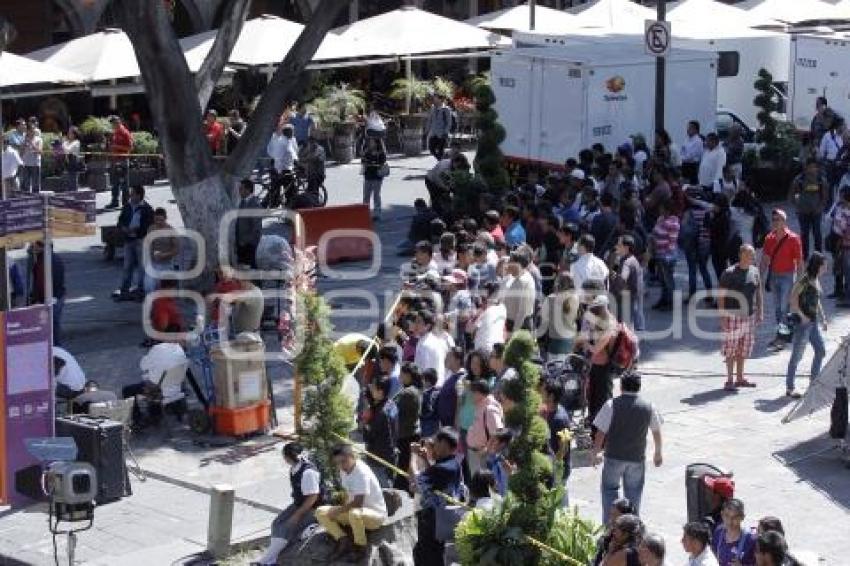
(111, 205)
(121, 295)
(793, 394)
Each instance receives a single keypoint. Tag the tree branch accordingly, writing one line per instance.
(289, 78)
(170, 90)
(235, 12)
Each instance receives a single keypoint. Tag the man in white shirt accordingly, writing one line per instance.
(830, 144)
(283, 149)
(431, 350)
(691, 153)
(70, 377)
(588, 267)
(305, 480)
(712, 163)
(364, 508)
(695, 540)
(11, 163)
(520, 293)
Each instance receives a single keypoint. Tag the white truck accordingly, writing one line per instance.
(555, 101)
(819, 65)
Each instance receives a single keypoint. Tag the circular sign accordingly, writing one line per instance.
(657, 38)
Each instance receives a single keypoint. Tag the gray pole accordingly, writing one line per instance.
(660, 70)
(532, 7)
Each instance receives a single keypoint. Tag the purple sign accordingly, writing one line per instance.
(28, 391)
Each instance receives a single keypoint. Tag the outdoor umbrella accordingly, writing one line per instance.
(412, 33)
(17, 71)
(702, 11)
(103, 56)
(263, 41)
(546, 20)
(822, 390)
(621, 16)
(769, 12)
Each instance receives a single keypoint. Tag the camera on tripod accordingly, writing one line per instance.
(72, 487)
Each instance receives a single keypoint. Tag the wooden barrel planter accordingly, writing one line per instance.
(344, 142)
(412, 132)
(97, 175)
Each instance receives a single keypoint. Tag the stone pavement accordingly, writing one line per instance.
(778, 468)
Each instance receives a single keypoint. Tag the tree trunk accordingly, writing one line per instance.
(204, 192)
(235, 12)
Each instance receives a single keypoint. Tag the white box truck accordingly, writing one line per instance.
(819, 65)
(556, 101)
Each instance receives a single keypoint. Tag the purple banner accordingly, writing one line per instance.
(29, 380)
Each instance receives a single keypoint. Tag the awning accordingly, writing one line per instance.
(18, 71)
(617, 16)
(769, 12)
(546, 20)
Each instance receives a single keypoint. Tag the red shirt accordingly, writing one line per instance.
(215, 134)
(498, 234)
(122, 140)
(165, 316)
(783, 259)
(223, 287)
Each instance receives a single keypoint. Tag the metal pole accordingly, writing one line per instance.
(408, 74)
(220, 520)
(660, 71)
(532, 7)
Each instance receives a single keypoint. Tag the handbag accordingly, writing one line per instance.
(767, 286)
(384, 171)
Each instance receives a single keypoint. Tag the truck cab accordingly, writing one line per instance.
(726, 119)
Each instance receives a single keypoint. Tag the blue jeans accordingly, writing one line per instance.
(780, 284)
(133, 265)
(810, 223)
(697, 258)
(667, 268)
(372, 191)
(632, 475)
(119, 174)
(805, 332)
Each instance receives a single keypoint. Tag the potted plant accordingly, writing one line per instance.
(93, 134)
(52, 163)
(343, 104)
(145, 171)
(414, 92)
(779, 155)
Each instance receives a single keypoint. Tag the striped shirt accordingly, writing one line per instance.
(666, 232)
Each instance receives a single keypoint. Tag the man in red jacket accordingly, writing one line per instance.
(214, 131)
(119, 149)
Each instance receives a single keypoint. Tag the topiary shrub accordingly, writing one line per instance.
(489, 160)
(327, 413)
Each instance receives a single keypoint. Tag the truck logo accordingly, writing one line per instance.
(507, 82)
(602, 131)
(615, 84)
(807, 63)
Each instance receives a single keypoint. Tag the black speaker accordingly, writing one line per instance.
(28, 482)
(100, 443)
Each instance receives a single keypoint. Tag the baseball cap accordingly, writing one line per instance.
(577, 174)
(721, 485)
(779, 212)
(599, 301)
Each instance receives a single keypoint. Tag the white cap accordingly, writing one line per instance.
(599, 301)
(577, 174)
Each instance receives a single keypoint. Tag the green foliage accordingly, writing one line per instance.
(416, 88)
(443, 87)
(466, 189)
(781, 144)
(51, 162)
(337, 104)
(93, 129)
(326, 411)
(144, 143)
(572, 535)
(489, 160)
(475, 82)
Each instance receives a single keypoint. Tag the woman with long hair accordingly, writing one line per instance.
(805, 303)
(725, 239)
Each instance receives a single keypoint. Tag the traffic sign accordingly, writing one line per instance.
(657, 37)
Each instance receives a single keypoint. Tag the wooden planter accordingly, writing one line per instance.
(412, 132)
(97, 174)
(142, 176)
(771, 183)
(55, 183)
(344, 142)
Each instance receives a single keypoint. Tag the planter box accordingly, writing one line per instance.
(412, 133)
(57, 184)
(771, 183)
(142, 176)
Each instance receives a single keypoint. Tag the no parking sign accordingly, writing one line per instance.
(656, 37)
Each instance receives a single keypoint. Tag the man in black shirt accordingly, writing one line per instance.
(442, 475)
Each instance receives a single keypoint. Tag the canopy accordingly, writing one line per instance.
(821, 391)
(620, 16)
(701, 11)
(263, 41)
(18, 71)
(411, 32)
(547, 20)
(766, 12)
(102, 56)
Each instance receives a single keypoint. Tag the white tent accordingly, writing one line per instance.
(769, 12)
(19, 71)
(103, 56)
(621, 16)
(702, 11)
(547, 20)
(263, 41)
(412, 33)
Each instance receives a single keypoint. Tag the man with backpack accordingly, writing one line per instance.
(306, 484)
(621, 429)
(439, 127)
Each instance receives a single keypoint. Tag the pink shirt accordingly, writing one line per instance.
(490, 412)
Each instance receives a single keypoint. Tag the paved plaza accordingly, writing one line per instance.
(786, 470)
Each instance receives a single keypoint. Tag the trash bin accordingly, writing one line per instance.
(701, 500)
(239, 371)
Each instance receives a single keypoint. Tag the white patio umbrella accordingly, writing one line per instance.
(821, 391)
(263, 41)
(620, 16)
(702, 11)
(546, 20)
(18, 71)
(769, 12)
(412, 33)
(103, 56)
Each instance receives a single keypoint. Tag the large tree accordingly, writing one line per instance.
(202, 186)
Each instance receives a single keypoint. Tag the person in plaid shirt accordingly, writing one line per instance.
(664, 237)
(741, 309)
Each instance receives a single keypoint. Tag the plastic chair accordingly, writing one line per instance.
(121, 411)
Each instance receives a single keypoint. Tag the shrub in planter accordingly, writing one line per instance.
(94, 130)
(489, 159)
